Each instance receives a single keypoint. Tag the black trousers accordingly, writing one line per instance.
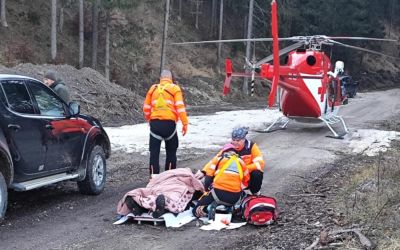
(255, 182)
(225, 196)
(163, 128)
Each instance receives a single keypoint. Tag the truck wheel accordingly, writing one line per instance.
(96, 173)
(3, 196)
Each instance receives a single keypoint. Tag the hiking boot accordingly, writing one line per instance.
(160, 206)
(211, 211)
(133, 206)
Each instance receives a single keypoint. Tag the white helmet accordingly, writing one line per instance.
(339, 66)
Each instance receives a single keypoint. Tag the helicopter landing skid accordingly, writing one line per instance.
(333, 120)
(276, 124)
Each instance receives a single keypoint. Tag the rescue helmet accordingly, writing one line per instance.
(165, 73)
(339, 66)
(239, 133)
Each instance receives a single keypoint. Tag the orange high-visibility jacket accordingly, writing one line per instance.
(252, 156)
(234, 177)
(173, 97)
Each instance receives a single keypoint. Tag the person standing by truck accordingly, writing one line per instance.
(162, 108)
(57, 85)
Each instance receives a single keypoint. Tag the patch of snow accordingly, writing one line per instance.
(213, 131)
(204, 132)
(370, 141)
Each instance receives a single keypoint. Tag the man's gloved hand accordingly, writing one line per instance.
(199, 175)
(184, 129)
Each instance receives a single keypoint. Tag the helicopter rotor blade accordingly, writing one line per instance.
(360, 38)
(281, 52)
(266, 39)
(362, 49)
(293, 38)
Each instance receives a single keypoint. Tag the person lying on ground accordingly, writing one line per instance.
(224, 178)
(169, 191)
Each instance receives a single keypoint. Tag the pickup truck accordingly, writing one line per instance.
(44, 140)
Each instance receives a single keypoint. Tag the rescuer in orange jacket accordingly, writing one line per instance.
(250, 153)
(162, 108)
(226, 176)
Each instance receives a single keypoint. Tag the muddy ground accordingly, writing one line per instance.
(303, 169)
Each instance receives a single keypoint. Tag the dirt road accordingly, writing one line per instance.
(58, 217)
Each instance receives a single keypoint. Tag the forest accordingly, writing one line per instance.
(109, 52)
(122, 39)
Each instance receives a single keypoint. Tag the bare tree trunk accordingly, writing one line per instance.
(53, 29)
(245, 22)
(248, 44)
(221, 15)
(213, 17)
(165, 33)
(95, 32)
(3, 14)
(390, 23)
(107, 68)
(61, 20)
(180, 11)
(81, 29)
(197, 14)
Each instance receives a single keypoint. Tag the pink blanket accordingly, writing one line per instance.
(177, 185)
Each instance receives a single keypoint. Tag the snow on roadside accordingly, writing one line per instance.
(204, 132)
(370, 141)
(212, 131)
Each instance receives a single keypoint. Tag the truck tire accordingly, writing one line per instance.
(3, 197)
(96, 173)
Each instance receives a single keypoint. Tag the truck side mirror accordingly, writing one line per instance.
(74, 108)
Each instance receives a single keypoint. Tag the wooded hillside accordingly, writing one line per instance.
(85, 33)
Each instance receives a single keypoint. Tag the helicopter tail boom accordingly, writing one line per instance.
(275, 44)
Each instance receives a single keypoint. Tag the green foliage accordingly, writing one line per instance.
(33, 17)
(237, 6)
(121, 4)
(326, 17)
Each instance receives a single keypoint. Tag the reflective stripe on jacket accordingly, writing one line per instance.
(173, 97)
(252, 156)
(233, 178)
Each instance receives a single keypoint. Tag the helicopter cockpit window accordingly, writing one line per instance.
(286, 60)
(311, 60)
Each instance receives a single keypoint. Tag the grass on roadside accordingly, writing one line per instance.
(370, 198)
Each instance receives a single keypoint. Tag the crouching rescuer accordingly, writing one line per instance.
(162, 108)
(225, 178)
(250, 153)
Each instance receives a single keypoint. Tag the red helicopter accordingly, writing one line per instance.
(306, 89)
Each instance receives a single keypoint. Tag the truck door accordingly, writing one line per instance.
(23, 129)
(64, 135)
